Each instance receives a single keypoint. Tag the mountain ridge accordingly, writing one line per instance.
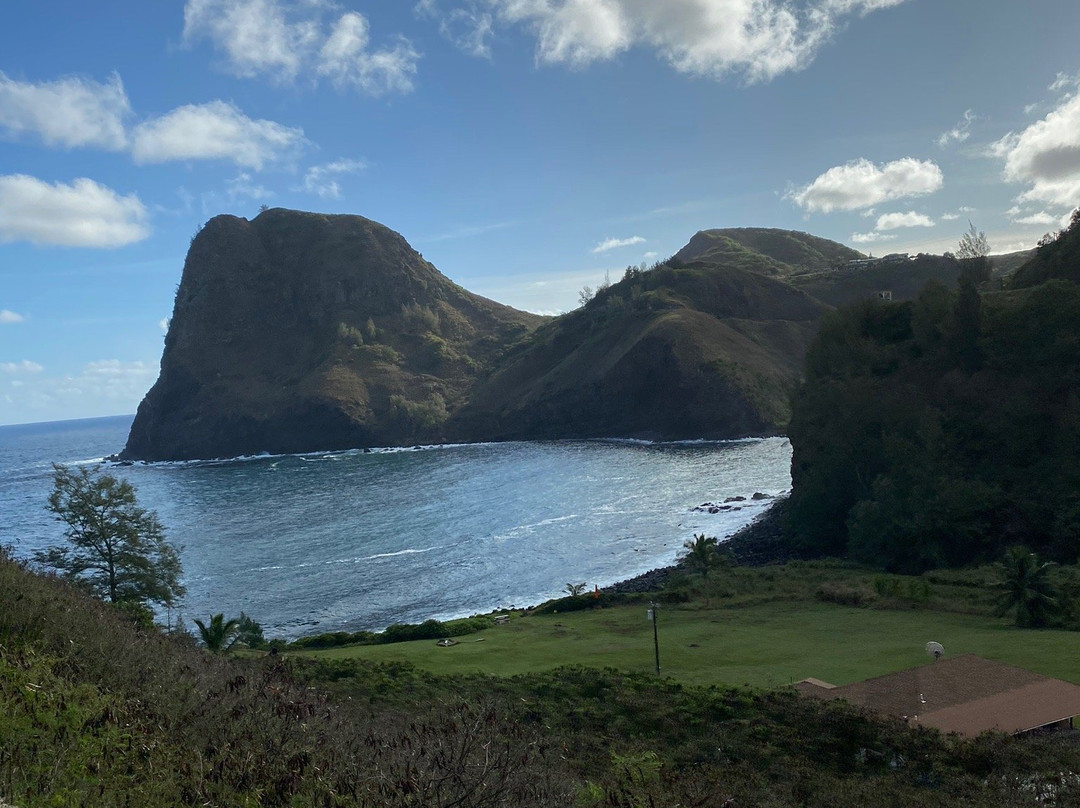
(301, 332)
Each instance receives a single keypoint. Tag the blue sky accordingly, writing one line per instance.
(525, 147)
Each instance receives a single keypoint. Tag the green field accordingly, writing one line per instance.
(765, 645)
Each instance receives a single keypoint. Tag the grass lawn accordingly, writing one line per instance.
(765, 645)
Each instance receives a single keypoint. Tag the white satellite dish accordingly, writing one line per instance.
(935, 649)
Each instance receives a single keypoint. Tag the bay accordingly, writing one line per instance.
(355, 540)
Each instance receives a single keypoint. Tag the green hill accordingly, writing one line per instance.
(696, 351)
(303, 332)
(1059, 258)
(775, 252)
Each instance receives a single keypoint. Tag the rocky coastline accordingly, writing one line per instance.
(760, 543)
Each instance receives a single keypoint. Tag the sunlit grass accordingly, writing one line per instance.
(766, 645)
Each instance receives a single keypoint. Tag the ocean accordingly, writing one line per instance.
(354, 540)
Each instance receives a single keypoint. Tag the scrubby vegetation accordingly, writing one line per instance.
(97, 712)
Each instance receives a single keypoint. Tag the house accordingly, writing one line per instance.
(965, 694)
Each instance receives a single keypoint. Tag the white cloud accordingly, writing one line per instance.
(164, 324)
(69, 112)
(870, 238)
(348, 61)
(1065, 81)
(104, 387)
(214, 131)
(8, 317)
(959, 133)
(1046, 156)
(25, 366)
(284, 39)
(950, 217)
(615, 243)
(82, 214)
(319, 180)
(257, 36)
(469, 29)
(861, 184)
(1040, 218)
(894, 221)
(243, 186)
(758, 39)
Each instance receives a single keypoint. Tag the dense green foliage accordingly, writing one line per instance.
(398, 632)
(702, 554)
(1056, 258)
(220, 634)
(114, 548)
(940, 431)
(1026, 589)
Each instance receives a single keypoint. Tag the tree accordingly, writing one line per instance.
(973, 244)
(1026, 588)
(575, 589)
(115, 548)
(703, 555)
(220, 635)
(249, 632)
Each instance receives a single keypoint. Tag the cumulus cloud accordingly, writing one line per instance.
(82, 214)
(758, 39)
(615, 243)
(1046, 156)
(862, 184)
(870, 238)
(320, 180)
(69, 112)
(25, 366)
(8, 317)
(959, 133)
(347, 59)
(950, 217)
(285, 39)
(214, 131)
(894, 221)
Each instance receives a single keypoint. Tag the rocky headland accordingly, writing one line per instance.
(299, 332)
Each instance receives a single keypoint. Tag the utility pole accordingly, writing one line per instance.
(655, 636)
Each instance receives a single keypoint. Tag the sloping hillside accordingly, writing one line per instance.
(303, 332)
(300, 332)
(763, 249)
(695, 351)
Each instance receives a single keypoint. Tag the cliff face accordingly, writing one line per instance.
(302, 332)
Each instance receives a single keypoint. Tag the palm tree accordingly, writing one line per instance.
(220, 635)
(1026, 588)
(702, 556)
(575, 589)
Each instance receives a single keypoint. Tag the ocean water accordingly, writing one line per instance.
(354, 540)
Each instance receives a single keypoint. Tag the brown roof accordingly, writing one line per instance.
(965, 694)
(810, 686)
